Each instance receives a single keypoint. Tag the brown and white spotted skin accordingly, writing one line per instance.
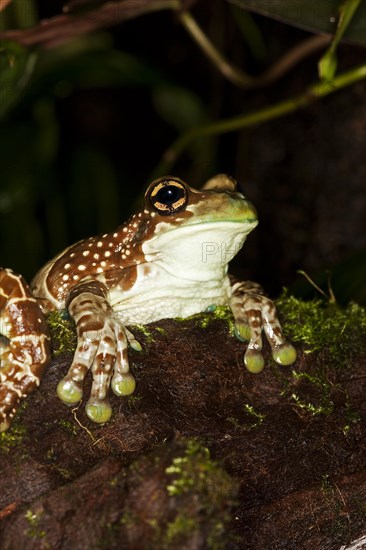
(169, 260)
(24, 343)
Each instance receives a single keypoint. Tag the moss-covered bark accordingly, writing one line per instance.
(204, 454)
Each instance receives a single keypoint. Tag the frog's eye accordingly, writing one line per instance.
(168, 197)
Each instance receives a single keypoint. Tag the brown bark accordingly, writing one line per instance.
(61, 28)
(298, 480)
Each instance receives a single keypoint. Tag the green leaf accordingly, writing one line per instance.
(92, 61)
(87, 62)
(16, 68)
(312, 15)
(328, 63)
(251, 33)
(327, 66)
(179, 106)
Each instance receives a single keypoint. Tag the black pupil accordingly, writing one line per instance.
(169, 194)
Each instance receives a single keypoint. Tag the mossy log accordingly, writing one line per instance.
(203, 454)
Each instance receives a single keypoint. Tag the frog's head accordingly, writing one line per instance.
(196, 230)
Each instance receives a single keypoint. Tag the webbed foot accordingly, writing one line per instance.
(254, 313)
(102, 349)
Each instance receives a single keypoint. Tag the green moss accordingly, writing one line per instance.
(217, 312)
(339, 523)
(327, 408)
(144, 330)
(133, 400)
(196, 502)
(196, 478)
(195, 469)
(13, 437)
(325, 404)
(236, 422)
(62, 330)
(69, 427)
(128, 519)
(50, 454)
(64, 472)
(161, 331)
(321, 327)
(255, 419)
(33, 521)
(181, 526)
(258, 417)
(351, 417)
(207, 317)
(187, 469)
(335, 336)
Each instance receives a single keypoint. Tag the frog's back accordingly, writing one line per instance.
(101, 258)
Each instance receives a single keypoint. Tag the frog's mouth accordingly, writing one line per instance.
(222, 208)
(191, 228)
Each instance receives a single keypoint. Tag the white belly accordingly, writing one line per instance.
(159, 295)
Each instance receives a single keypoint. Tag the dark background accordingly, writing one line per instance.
(82, 142)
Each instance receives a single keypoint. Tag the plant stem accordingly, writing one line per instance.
(328, 62)
(238, 77)
(347, 11)
(232, 73)
(313, 93)
(63, 27)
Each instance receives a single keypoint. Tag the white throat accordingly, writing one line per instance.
(196, 252)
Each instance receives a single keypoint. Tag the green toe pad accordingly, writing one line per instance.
(254, 361)
(98, 411)
(242, 332)
(136, 345)
(69, 392)
(123, 384)
(284, 355)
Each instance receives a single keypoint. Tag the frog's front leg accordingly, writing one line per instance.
(253, 312)
(102, 348)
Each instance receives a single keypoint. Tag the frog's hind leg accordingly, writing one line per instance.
(24, 343)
